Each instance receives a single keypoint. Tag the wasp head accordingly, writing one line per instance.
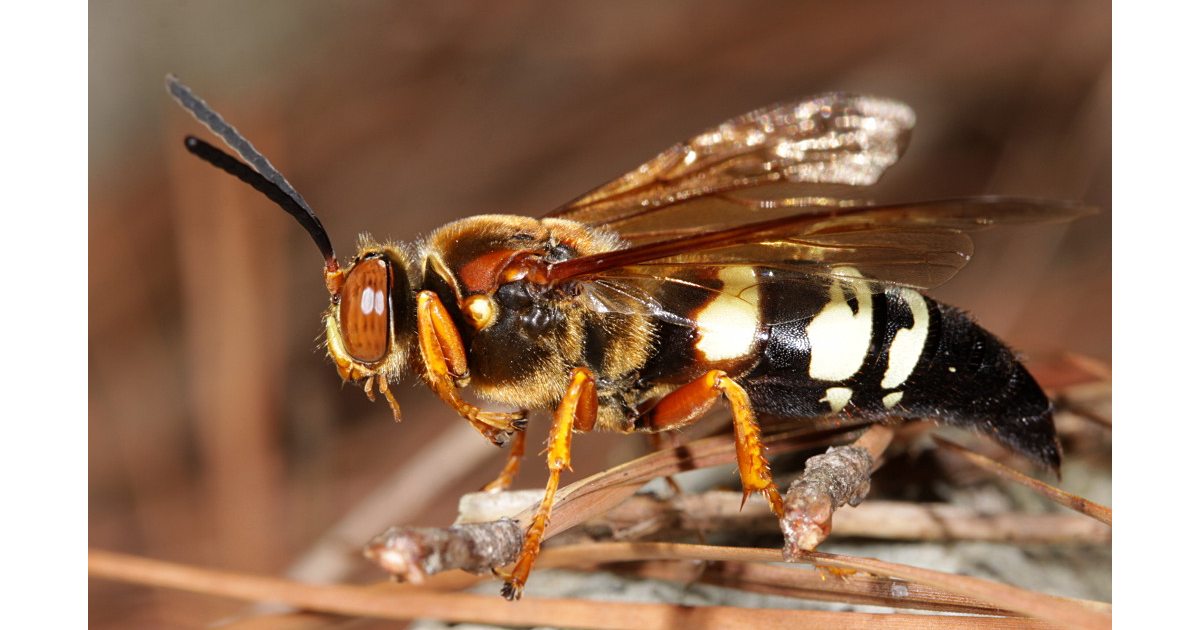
(371, 321)
(370, 324)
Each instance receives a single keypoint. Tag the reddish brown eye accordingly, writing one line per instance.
(364, 310)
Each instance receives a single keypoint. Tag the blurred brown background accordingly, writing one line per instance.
(219, 433)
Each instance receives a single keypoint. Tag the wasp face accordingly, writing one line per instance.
(369, 326)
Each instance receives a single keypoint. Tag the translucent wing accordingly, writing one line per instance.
(779, 189)
(876, 249)
(668, 292)
(919, 245)
(817, 147)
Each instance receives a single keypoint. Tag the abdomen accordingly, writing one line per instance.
(848, 348)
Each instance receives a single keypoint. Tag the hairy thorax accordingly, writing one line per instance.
(523, 338)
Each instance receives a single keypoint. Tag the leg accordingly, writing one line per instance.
(576, 411)
(688, 403)
(387, 394)
(445, 362)
(511, 465)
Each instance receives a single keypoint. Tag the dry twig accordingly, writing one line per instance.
(810, 584)
(401, 602)
(1062, 497)
(643, 516)
(946, 589)
(408, 552)
(1076, 613)
(415, 552)
(842, 475)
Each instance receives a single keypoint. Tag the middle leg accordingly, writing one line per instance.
(689, 403)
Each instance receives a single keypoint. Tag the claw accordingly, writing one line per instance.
(512, 591)
(774, 500)
(771, 495)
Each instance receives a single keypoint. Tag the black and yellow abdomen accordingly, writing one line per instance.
(853, 346)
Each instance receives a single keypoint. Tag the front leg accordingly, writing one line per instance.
(576, 411)
(689, 403)
(445, 361)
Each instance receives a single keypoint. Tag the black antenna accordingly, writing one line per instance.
(259, 173)
(240, 170)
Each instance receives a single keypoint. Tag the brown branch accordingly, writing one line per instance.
(842, 475)
(408, 551)
(597, 494)
(1062, 497)
(642, 516)
(1071, 612)
(399, 602)
(896, 520)
(810, 584)
(282, 621)
(415, 552)
(943, 589)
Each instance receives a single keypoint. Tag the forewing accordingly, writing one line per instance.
(919, 245)
(818, 147)
(669, 293)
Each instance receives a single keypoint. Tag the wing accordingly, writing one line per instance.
(872, 249)
(669, 293)
(919, 245)
(817, 148)
(776, 189)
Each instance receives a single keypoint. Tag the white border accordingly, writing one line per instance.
(1156, 312)
(43, 442)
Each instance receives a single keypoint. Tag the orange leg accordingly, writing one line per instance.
(577, 411)
(690, 402)
(445, 362)
(387, 393)
(369, 388)
(513, 464)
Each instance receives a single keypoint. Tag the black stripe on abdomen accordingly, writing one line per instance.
(973, 380)
(839, 368)
(925, 360)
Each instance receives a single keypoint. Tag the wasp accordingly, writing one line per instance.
(742, 266)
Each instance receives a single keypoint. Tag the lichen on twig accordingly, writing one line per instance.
(840, 476)
(415, 552)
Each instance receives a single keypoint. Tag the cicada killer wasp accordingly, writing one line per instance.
(741, 265)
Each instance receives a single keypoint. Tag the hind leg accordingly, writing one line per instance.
(690, 402)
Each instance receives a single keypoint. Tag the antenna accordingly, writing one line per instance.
(259, 173)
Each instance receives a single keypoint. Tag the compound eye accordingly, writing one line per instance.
(364, 308)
